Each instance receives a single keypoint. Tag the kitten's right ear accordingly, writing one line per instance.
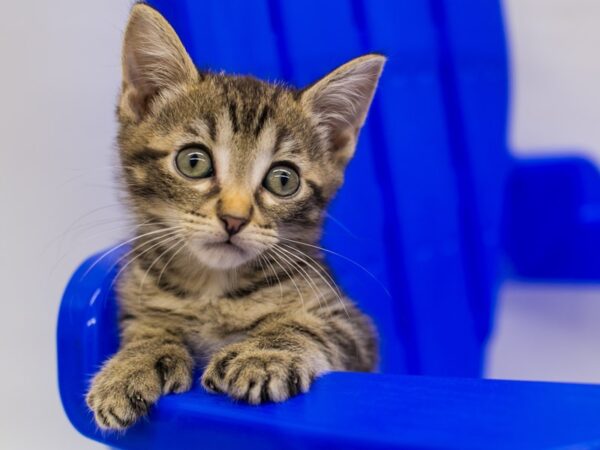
(154, 60)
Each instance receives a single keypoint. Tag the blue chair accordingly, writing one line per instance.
(434, 215)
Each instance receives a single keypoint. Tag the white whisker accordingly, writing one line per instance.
(303, 273)
(143, 244)
(182, 241)
(291, 277)
(176, 237)
(128, 263)
(275, 274)
(343, 257)
(115, 248)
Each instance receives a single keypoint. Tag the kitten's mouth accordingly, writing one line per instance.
(225, 254)
(225, 245)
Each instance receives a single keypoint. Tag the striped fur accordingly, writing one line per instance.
(259, 309)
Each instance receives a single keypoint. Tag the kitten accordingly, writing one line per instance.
(228, 178)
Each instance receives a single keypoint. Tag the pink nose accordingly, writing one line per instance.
(232, 224)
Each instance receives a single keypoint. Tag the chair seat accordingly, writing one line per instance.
(342, 410)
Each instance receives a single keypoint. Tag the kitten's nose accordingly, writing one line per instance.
(233, 224)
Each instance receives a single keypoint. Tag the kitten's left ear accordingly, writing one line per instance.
(340, 101)
(154, 60)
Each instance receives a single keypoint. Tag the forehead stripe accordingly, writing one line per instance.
(264, 115)
(282, 141)
(205, 127)
(212, 126)
(233, 116)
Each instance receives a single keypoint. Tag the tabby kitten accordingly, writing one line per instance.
(228, 178)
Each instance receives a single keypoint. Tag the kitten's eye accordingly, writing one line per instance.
(194, 162)
(282, 180)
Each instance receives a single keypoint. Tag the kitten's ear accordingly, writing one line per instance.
(154, 60)
(341, 100)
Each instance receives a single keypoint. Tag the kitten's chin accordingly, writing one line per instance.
(222, 256)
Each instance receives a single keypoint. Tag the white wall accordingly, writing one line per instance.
(556, 75)
(547, 332)
(59, 78)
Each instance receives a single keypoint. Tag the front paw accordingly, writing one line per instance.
(256, 375)
(124, 390)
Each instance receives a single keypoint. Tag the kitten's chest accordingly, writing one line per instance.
(213, 322)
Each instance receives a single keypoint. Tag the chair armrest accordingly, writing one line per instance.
(552, 227)
(343, 410)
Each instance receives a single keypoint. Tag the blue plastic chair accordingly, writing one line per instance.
(434, 208)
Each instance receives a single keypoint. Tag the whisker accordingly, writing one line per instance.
(129, 228)
(333, 286)
(290, 276)
(317, 264)
(172, 236)
(86, 173)
(334, 290)
(143, 244)
(342, 226)
(343, 257)
(115, 248)
(128, 225)
(275, 274)
(124, 227)
(62, 235)
(303, 273)
(170, 259)
(262, 269)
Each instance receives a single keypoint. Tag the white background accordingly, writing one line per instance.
(59, 75)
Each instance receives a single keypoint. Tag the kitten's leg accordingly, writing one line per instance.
(281, 357)
(132, 380)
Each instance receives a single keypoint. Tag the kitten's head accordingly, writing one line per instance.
(235, 164)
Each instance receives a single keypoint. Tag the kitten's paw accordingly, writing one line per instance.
(124, 391)
(255, 375)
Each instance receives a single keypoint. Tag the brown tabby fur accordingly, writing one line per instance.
(260, 311)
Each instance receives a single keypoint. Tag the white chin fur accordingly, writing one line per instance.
(221, 256)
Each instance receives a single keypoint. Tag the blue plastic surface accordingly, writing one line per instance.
(553, 224)
(431, 142)
(343, 410)
(434, 207)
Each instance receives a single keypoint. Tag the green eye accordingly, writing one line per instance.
(282, 180)
(194, 162)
